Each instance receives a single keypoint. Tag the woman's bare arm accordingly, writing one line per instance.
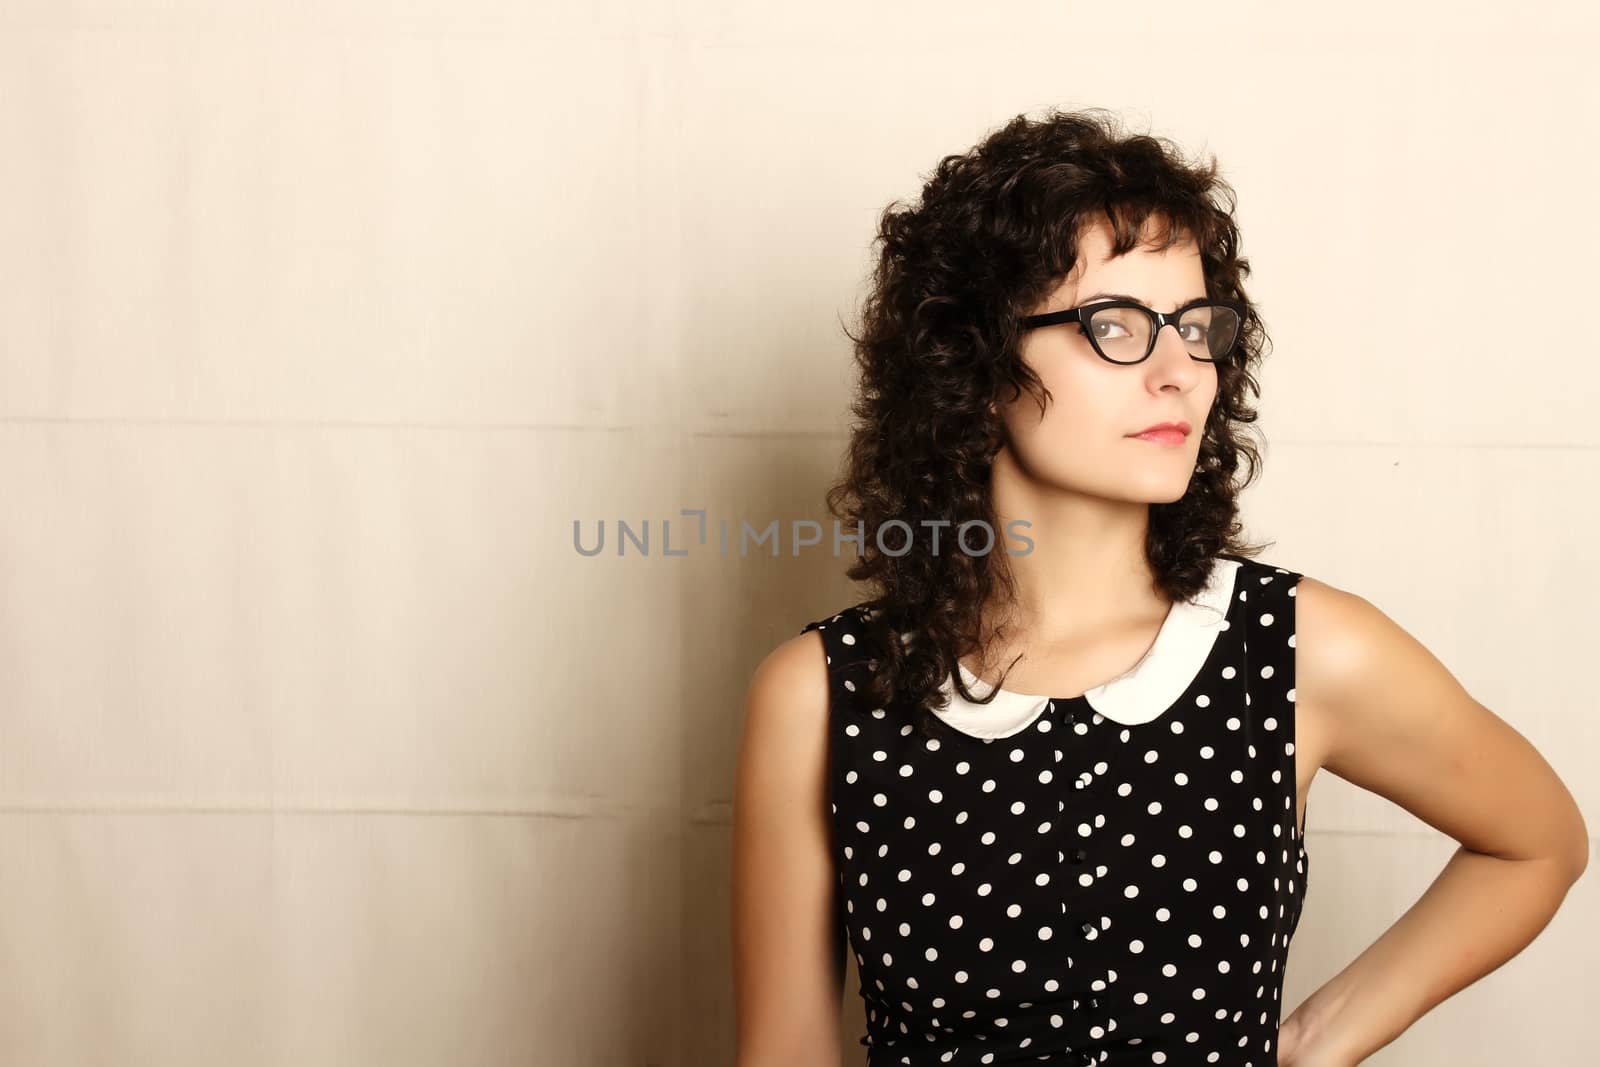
(1400, 725)
(788, 950)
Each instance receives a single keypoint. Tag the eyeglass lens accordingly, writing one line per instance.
(1123, 333)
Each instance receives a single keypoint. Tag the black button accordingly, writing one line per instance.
(1079, 855)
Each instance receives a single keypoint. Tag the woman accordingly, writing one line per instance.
(1053, 790)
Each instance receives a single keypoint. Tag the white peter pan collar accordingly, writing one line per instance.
(1142, 695)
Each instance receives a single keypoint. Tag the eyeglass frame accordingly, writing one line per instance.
(1158, 320)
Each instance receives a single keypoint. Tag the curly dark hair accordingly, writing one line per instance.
(994, 233)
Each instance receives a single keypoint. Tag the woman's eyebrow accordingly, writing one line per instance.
(1137, 300)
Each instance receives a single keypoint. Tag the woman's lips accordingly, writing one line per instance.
(1162, 437)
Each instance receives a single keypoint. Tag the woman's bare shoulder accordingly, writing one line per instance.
(787, 700)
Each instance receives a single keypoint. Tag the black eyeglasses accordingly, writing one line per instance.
(1123, 331)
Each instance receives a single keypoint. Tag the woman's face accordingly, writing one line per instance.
(1084, 441)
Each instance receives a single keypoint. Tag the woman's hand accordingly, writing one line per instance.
(1299, 1048)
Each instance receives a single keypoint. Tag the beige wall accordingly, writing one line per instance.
(321, 323)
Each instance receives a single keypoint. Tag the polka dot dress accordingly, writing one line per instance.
(1110, 878)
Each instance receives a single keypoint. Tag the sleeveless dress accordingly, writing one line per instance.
(1110, 878)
